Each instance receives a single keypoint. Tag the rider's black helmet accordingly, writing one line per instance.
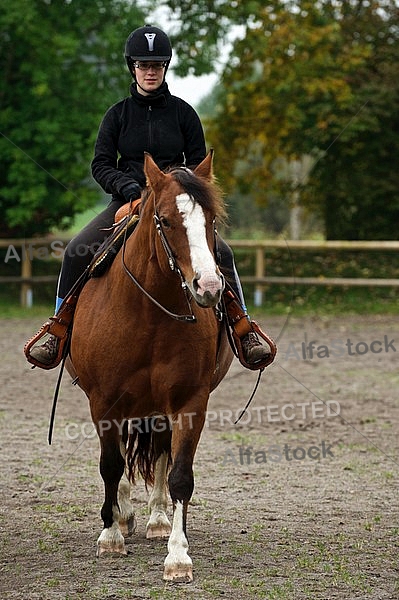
(147, 43)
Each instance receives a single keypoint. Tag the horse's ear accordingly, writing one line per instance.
(153, 173)
(204, 169)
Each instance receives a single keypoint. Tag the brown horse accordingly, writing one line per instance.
(146, 365)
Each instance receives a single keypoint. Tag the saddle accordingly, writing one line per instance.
(60, 325)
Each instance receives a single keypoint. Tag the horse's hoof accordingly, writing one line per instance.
(158, 526)
(179, 573)
(158, 531)
(110, 548)
(128, 527)
(111, 540)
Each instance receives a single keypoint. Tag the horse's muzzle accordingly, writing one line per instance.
(207, 289)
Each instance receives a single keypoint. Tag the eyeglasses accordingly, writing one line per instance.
(146, 66)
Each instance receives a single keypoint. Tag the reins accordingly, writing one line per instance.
(57, 391)
(233, 348)
(55, 400)
(244, 410)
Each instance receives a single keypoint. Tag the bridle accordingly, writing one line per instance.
(188, 318)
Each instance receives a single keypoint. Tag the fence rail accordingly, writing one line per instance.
(39, 247)
(260, 280)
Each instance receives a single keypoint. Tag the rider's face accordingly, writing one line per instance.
(149, 78)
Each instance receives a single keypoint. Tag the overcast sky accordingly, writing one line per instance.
(191, 89)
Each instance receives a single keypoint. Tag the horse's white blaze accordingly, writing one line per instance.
(178, 563)
(202, 260)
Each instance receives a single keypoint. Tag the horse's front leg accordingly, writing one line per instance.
(178, 565)
(112, 465)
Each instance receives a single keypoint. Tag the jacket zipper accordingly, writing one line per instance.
(149, 128)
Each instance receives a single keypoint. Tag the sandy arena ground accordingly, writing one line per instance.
(299, 500)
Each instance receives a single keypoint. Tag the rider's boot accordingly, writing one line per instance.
(251, 351)
(46, 353)
(254, 352)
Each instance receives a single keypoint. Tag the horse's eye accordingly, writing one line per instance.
(165, 223)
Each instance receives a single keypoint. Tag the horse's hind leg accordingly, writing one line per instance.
(127, 520)
(158, 525)
(112, 465)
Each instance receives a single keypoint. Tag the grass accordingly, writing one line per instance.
(83, 218)
(11, 310)
(299, 302)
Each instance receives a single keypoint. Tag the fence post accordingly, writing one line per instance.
(259, 273)
(26, 272)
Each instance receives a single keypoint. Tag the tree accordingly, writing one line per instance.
(358, 177)
(201, 29)
(308, 77)
(62, 65)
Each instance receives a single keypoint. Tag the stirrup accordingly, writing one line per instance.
(60, 325)
(262, 364)
(53, 327)
(241, 326)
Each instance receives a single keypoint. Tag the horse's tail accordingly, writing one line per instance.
(146, 442)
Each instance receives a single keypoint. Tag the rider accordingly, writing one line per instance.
(149, 120)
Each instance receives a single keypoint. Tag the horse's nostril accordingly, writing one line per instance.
(207, 286)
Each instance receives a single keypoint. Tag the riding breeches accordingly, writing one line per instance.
(81, 248)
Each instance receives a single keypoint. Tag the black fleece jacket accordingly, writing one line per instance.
(161, 124)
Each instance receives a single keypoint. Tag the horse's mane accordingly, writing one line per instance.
(206, 193)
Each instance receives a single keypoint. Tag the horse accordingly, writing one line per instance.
(148, 346)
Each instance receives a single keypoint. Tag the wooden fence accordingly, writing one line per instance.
(259, 280)
(25, 250)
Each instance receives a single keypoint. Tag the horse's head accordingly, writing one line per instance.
(186, 204)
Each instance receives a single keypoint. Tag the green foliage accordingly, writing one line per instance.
(318, 79)
(201, 30)
(62, 65)
(304, 78)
